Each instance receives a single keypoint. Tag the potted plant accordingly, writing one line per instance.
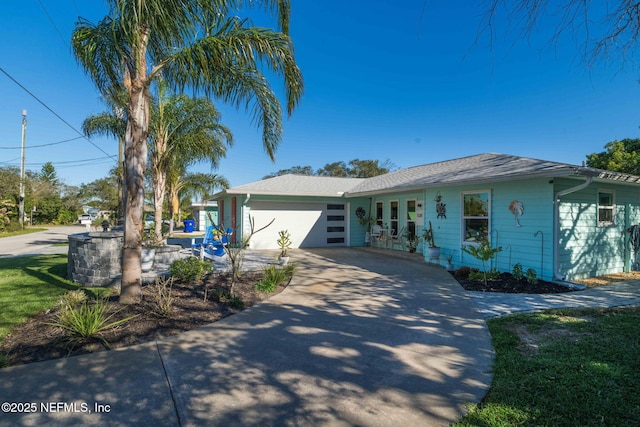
(284, 241)
(434, 251)
(148, 253)
(412, 243)
(449, 265)
(367, 221)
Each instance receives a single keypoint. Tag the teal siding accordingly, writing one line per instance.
(402, 211)
(529, 244)
(587, 249)
(356, 231)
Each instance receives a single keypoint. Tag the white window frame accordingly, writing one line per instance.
(391, 219)
(611, 208)
(463, 217)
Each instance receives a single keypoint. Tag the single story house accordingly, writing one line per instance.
(201, 211)
(564, 221)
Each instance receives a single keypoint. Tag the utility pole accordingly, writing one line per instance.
(24, 134)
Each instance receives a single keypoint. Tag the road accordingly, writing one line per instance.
(39, 243)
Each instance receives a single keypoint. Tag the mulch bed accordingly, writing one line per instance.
(508, 284)
(35, 340)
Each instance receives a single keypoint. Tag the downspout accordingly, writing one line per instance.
(556, 225)
(246, 213)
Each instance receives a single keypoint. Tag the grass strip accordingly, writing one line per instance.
(20, 232)
(29, 285)
(563, 368)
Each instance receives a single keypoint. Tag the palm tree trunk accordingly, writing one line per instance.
(172, 209)
(135, 165)
(158, 193)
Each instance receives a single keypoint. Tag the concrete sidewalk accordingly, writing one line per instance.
(493, 304)
(358, 338)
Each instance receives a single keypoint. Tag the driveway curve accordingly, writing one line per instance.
(358, 338)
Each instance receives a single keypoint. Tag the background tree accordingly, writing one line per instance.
(604, 30)
(334, 169)
(48, 174)
(619, 156)
(368, 168)
(101, 193)
(295, 170)
(202, 44)
(112, 123)
(9, 183)
(355, 169)
(183, 130)
(183, 188)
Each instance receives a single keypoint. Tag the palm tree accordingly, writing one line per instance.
(111, 123)
(201, 44)
(182, 130)
(181, 185)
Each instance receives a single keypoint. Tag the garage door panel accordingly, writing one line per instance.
(310, 224)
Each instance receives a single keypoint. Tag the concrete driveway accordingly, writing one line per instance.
(358, 338)
(39, 243)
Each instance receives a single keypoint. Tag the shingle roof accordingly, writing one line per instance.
(299, 185)
(480, 168)
(488, 167)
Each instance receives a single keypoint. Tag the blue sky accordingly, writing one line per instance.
(382, 81)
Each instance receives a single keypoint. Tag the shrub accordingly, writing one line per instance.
(235, 302)
(463, 272)
(71, 299)
(477, 275)
(88, 320)
(484, 252)
(161, 293)
(518, 272)
(531, 276)
(189, 269)
(274, 277)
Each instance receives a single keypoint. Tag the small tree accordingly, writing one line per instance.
(235, 251)
(484, 252)
(284, 241)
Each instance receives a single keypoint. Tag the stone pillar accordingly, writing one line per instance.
(94, 258)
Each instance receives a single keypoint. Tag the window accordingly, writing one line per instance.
(606, 208)
(411, 219)
(379, 213)
(393, 221)
(475, 216)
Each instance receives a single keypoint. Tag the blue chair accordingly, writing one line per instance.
(212, 244)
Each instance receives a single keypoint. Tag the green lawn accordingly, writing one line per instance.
(564, 368)
(29, 285)
(25, 231)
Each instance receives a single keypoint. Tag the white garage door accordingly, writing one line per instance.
(311, 225)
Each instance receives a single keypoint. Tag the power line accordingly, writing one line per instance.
(68, 163)
(42, 145)
(64, 42)
(54, 113)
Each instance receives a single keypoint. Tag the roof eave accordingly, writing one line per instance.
(481, 181)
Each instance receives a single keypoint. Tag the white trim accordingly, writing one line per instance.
(406, 216)
(611, 223)
(463, 217)
(397, 201)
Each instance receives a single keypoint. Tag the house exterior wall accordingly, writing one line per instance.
(402, 217)
(587, 248)
(267, 238)
(528, 242)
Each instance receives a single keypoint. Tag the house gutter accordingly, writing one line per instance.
(557, 276)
